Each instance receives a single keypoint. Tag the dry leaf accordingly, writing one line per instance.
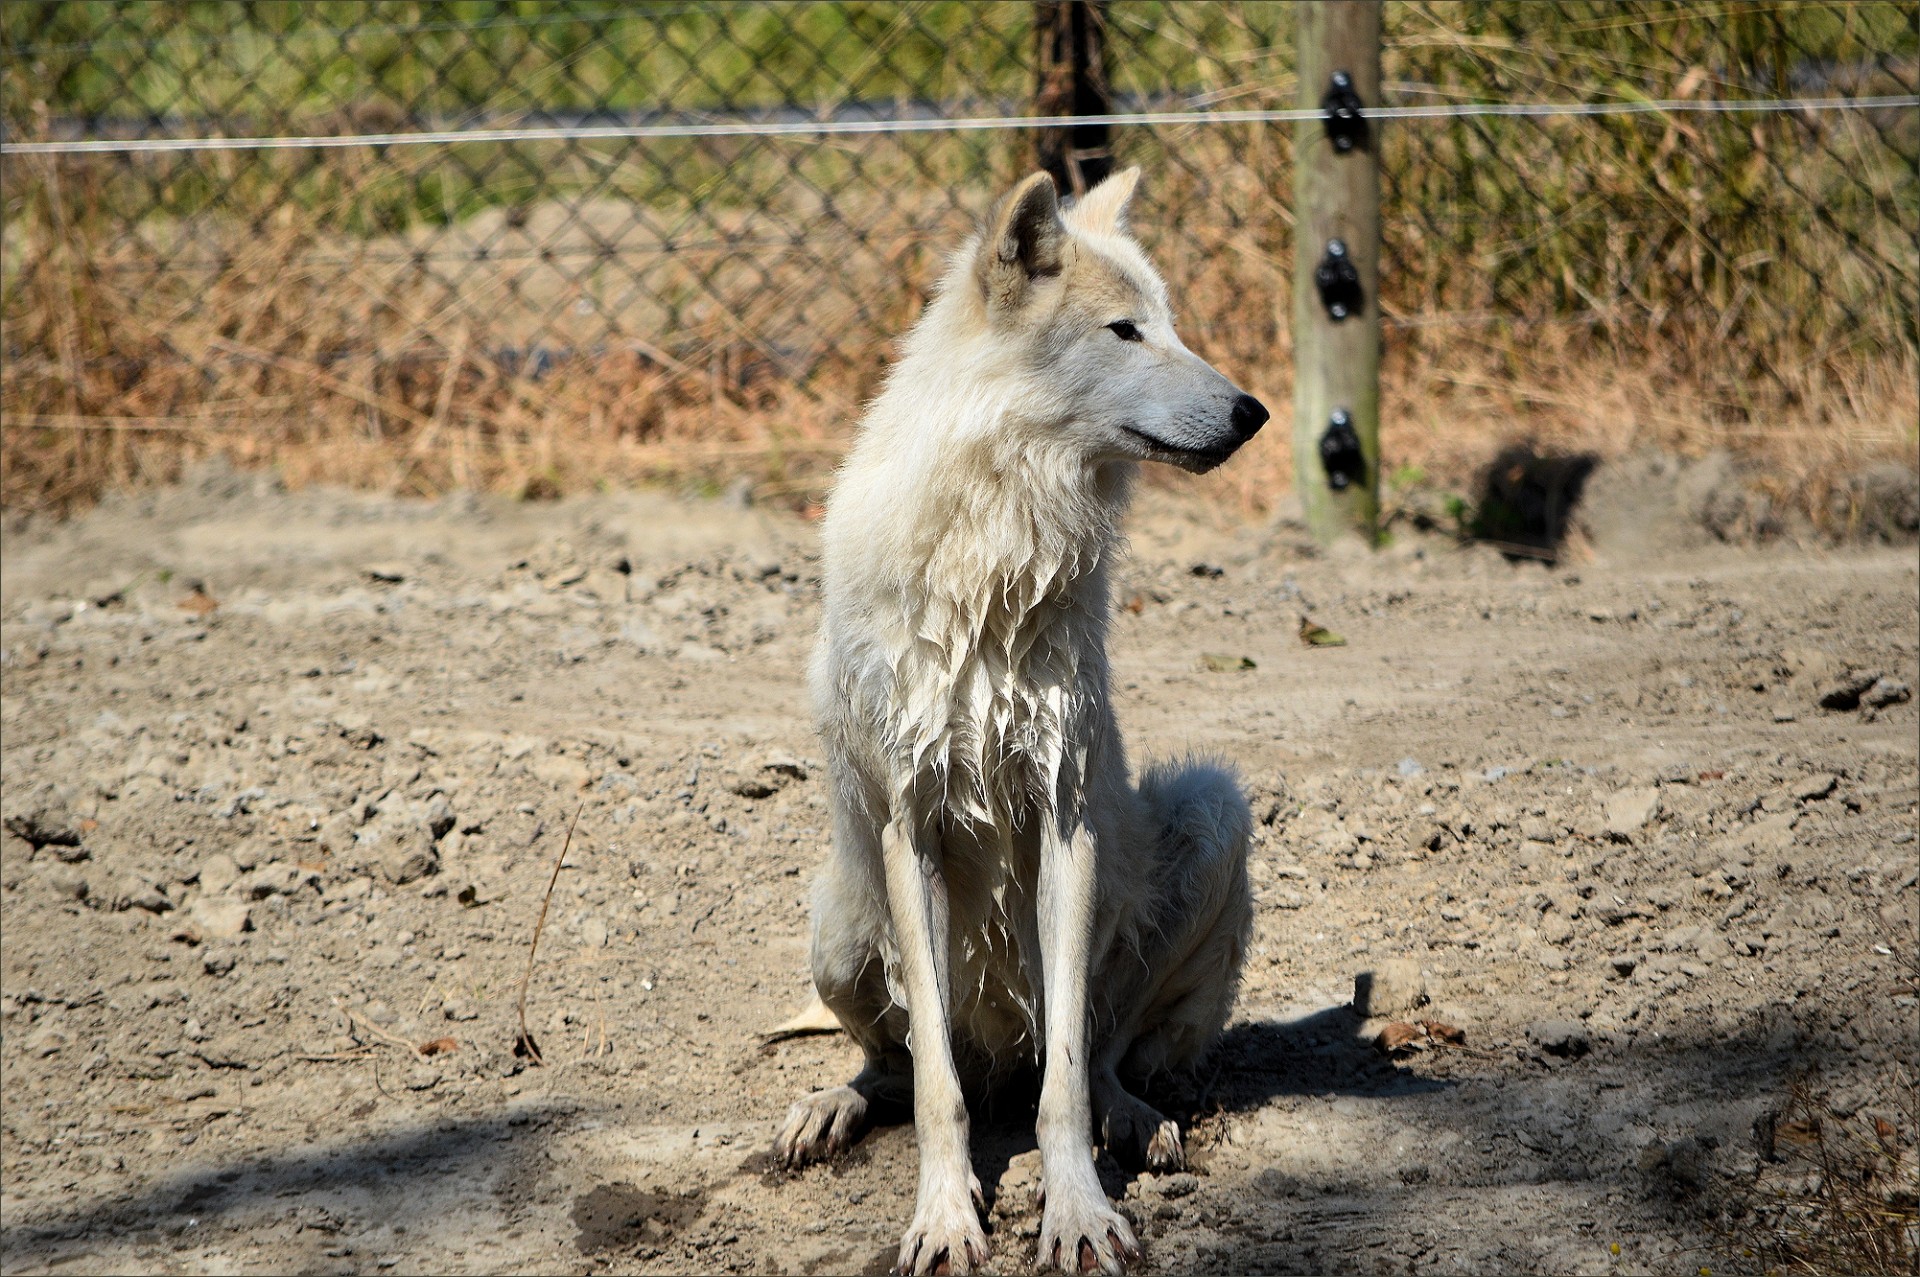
(199, 602)
(1313, 634)
(1220, 663)
(1798, 1131)
(816, 1018)
(1397, 1038)
(439, 1046)
(1135, 604)
(1444, 1033)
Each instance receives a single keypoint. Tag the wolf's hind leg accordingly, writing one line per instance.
(850, 975)
(1172, 987)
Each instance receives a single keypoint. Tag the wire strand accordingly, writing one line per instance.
(844, 128)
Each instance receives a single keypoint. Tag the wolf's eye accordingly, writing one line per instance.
(1124, 330)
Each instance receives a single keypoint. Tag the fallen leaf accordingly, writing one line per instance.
(1443, 1033)
(1886, 1130)
(1313, 634)
(439, 1046)
(816, 1018)
(1712, 775)
(1220, 663)
(1136, 604)
(199, 602)
(1398, 1038)
(1798, 1131)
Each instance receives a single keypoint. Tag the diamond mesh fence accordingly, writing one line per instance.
(626, 238)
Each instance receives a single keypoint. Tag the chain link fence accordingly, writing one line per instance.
(652, 236)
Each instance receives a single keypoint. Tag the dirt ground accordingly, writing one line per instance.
(286, 776)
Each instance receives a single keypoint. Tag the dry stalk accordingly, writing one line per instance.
(524, 1045)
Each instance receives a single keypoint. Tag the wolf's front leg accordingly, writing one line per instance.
(1079, 1224)
(946, 1218)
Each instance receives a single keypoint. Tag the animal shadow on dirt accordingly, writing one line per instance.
(1253, 1062)
(312, 1193)
(1526, 500)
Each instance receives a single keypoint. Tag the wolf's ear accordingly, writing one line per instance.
(1104, 208)
(1025, 241)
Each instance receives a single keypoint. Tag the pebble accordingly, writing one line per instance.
(220, 919)
(1567, 1039)
(1814, 787)
(1395, 986)
(1628, 811)
(69, 885)
(1844, 693)
(138, 893)
(1887, 691)
(217, 873)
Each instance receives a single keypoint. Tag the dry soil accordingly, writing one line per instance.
(286, 776)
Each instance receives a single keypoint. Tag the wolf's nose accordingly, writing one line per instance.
(1249, 414)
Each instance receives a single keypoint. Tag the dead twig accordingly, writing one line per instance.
(384, 1036)
(524, 1045)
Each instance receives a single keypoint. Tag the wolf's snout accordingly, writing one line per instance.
(1249, 414)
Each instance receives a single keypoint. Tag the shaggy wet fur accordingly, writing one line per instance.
(999, 891)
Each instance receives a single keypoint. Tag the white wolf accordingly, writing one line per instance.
(998, 890)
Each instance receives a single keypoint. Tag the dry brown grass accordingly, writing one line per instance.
(330, 357)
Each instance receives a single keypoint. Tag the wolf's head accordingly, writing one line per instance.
(1071, 297)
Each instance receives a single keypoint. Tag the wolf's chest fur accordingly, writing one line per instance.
(995, 688)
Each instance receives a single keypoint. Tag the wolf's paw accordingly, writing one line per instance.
(820, 1126)
(1082, 1233)
(945, 1236)
(1138, 1135)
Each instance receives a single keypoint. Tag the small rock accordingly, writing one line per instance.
(1566, 1039)
(138, 893)
(1815, 787)
(276, 879)
(48, 824)
(593, 933)
(217, 962)
(640, 636)
(1623, 964)
(45, 1041)
(351, 889)
(1394, 987)
(1844, 692)
(220, 919)
(69, 885)
(1887, 691)
(1628, 811)
(567, 773)
(1182, 1184)
(217, 873)
(1685, 939)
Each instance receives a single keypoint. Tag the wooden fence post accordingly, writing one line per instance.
(1070, 61)
(1336, 272)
